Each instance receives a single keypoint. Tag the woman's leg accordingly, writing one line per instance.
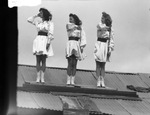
(98, 70)
(102, 73)
(38, 60)
(102, 66)
(43, 62)
(74, 67)
(38, 67)
(43, 67)
(69, 68)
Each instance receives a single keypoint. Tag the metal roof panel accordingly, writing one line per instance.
(20, 79)
(135, 107)
(145, 78)
(144, 95)
(85, 78)
(112, 81)
(110, 106)
(131, 79)
(25, 99)
(47, 101)
(38, 101)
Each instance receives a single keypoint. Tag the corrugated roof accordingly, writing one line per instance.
(47, 101)
(131, 79)
(111, 80)
(87, 103)
(28, 73)
(145, 78)
(98, 105)
(146, 102)
(123, 107)
(144, 95)
(71, 102)
(114, 80)
(27, 111)
(110, 106)
(135, 107)
(85, 78)
(20, 80)
(55, 76)
(58, 76)
(25, 100)
(38, 101)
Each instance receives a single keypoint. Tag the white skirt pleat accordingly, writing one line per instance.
(73, 47)
(100, 51)
(39, 46)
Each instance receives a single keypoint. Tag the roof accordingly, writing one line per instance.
(96, 103)
(57, 76)
(38, 101)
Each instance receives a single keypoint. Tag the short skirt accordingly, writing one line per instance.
(73, 48)
(39, 46)
(101, 51)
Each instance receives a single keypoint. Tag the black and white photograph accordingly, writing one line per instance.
(83, 57)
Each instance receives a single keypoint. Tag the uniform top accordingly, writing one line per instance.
(45, 26)
(102, 31)
(73, 30)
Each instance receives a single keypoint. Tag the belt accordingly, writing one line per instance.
(42, 33)
(102, 39)
(74, 38)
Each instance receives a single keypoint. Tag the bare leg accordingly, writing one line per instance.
(69, 66)
(98, 69)
(98, 72)
(69, 70)
(43, 67)
(102, 66)
(74, 66)
(102, 73)
(43, 62)
(38, 67)
(38, 60)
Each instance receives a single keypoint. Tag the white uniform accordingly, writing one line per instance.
(101, 48)
(73, 46)
(40, 42)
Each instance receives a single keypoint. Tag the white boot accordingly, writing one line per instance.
(42, 77)
(102, 79)
(99, 82)
(68, 80)
(72, 80)
(38, 77)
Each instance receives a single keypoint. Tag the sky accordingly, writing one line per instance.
(131, 25)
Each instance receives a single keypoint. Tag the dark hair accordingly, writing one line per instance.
(46, 14)
(108, 20)
(76, 18)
